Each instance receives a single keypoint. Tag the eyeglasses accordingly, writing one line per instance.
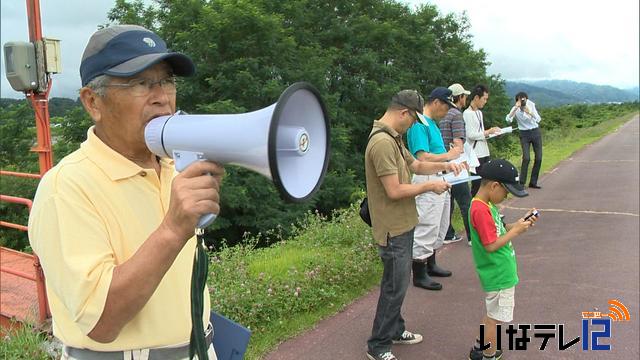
(143, 86)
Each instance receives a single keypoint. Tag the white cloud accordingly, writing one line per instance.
(576, 40)
(583, 41)
(71, 21)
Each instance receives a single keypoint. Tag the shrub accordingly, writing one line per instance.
(321, 262)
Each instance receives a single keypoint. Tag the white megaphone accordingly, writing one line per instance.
(288, 142)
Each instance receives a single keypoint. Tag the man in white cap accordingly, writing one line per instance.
(112, 223)
(453, 135)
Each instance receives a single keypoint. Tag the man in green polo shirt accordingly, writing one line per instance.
(388, 167)
(426, 143)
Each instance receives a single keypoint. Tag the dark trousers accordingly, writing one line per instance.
(527, 138)
(388, 324)
(475, 184)
(461, 194)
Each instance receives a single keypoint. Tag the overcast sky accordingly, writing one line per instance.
(586, 41)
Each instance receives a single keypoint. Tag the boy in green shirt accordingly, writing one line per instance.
(493, 253)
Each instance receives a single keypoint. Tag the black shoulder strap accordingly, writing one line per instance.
(376, 132)
(394, 140)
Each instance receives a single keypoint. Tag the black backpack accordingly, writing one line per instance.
(364, 211)
(364, 205)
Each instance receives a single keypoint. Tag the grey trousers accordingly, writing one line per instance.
(165, 353)
(388, 323)
(530, 138)
(433, 219)
(69, 353)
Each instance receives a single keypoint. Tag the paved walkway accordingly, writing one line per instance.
(582, 253)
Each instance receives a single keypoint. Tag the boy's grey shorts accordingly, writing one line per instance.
(500, 304)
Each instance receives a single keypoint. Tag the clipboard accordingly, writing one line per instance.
(455, 180)
(505, 130)
(230, 339)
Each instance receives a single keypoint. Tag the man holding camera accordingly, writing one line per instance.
(524, 110)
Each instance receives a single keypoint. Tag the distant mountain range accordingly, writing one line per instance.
(548, 93)
(545, 93)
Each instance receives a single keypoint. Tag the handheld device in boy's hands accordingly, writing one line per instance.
(533, 213)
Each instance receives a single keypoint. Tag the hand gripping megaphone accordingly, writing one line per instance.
(288, 142)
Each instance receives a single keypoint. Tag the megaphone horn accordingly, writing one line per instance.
(288, 142)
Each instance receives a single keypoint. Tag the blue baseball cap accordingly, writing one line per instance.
(442, 94)
(126, 50)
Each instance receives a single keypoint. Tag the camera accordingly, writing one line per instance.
(523, 102)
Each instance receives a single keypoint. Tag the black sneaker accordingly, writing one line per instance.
(408, 338)
(476, 354)
(382, 356)
(455, 238)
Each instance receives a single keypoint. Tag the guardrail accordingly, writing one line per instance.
(43, 307)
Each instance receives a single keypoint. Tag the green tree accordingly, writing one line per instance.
(357, 53)
(17, 127)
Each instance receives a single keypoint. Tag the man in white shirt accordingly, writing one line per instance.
(524, 110)
(474, 128)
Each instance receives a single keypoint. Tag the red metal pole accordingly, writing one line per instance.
(19, 174)
(40, 103)
(40, 100)
(33, 14)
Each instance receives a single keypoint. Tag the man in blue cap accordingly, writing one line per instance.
(112, 223)
(426, 144)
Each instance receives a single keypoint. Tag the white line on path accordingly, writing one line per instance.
(576, 211)
(603, 161)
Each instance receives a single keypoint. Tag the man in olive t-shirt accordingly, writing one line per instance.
(388, 167)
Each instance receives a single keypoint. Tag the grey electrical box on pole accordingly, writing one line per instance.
(20, 65)
(29, 64)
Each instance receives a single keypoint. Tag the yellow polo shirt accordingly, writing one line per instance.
(92, 212)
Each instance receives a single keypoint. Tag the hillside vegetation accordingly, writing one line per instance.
(550, 93)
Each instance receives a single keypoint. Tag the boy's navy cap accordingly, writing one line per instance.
(126, 50)
(411, 99)
(443, 94)
(505, 173)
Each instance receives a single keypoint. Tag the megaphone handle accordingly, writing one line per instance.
(206, 220)
(184, 159)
